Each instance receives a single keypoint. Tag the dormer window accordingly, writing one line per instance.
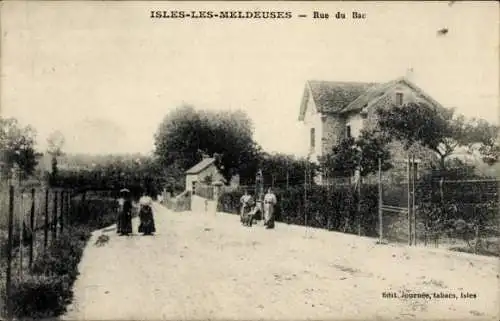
(399, 99)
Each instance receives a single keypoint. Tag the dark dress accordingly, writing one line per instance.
(124, 225)
(147, 225)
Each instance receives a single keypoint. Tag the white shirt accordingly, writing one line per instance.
(146, 200)
(270, 198)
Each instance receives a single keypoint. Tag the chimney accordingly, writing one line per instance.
(410, 74)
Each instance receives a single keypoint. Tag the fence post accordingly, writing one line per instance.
(359, 205)
(9, 253)
(68, 207)
(413, 178)
(21, 234)
(61, 212)
(54, 218)
(409, 199)
(32, 226)
(380, 218)
(46, 225)
(305, 195)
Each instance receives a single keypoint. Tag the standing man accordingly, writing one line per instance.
(269, 204)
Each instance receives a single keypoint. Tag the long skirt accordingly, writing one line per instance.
(124, 225)
(269, 215)
(147, 222)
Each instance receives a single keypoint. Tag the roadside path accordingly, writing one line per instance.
(203, 266)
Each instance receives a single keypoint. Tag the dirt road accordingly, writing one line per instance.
(207, 266)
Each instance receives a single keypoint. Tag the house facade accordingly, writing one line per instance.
(199, 173)
(331, 111)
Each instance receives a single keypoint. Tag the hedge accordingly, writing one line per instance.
(47, 290)
(328, 208)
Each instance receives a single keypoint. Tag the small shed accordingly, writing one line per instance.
(205, 172)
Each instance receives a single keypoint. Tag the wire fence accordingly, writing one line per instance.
(30, 220)
(410, 203)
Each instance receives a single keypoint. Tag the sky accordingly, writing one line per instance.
(105, 74)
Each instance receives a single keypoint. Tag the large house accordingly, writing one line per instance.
(332, 110)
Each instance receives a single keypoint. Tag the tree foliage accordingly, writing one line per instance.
(17, 144)
(281, 169)
(361, 153)
(440, 130)
(138, 174)
(186, 133)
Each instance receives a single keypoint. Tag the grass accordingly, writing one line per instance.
(45, 290)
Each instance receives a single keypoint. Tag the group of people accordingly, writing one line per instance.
(249, 208)
(124, 222)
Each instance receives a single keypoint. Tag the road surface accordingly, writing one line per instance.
(207, 266)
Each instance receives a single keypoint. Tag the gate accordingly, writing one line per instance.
(396, 209)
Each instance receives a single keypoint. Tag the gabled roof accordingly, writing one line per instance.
(333, 96)
(376, 92)
(201, 166)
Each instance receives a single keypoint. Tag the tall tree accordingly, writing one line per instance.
(17, 146)
(186, 131)
(440, 130)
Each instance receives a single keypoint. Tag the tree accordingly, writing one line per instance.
(55, 142)
(17, 146)
(282, 169)
(483, 138)
(439, 130)
(185, 132)
(362, 153)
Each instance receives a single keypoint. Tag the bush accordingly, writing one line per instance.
(63, 255)
(47, 290)
(40, 296)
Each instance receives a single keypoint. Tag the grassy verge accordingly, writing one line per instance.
(45, 290)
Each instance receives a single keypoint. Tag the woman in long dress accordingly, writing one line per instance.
(269, 204)
(124, 224)
(147, 222)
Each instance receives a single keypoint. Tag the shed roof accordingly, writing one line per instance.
(201, 166)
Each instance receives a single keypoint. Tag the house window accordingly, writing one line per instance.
(399, 99)
(194, 187)
(348, 131)
(313, 137)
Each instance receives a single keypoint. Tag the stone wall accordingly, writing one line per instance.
(333, 132)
